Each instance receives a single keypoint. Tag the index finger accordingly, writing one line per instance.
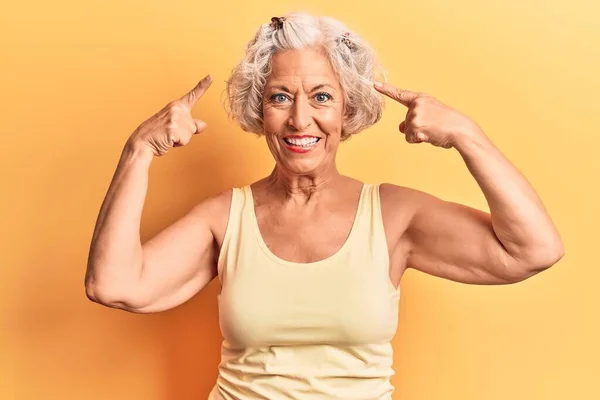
(402, 96)
(189, 99)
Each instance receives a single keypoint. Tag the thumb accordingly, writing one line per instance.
(200, 125)
(402, 126)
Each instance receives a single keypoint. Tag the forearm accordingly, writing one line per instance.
(519, 218)
(115, 257)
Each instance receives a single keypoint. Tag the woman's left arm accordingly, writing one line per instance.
(515, 241)
(517, 214)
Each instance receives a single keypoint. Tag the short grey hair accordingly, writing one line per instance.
(354, 61)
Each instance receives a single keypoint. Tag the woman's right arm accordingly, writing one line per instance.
(179, 261)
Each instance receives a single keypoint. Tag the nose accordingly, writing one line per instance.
(300, 116)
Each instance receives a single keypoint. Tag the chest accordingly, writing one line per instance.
(305, 238)
(318, 236)
(288, 307)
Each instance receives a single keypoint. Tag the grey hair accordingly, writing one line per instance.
(354, 61)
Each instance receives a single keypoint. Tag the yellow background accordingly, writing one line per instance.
(77, 77)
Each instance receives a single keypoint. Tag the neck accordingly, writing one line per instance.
(302, 188)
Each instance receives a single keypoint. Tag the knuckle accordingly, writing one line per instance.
(420, 100)
(192, 97)
(172, 106)
(176, 108)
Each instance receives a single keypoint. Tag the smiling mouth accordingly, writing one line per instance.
(310, 143)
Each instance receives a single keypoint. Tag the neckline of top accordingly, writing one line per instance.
(333, 257)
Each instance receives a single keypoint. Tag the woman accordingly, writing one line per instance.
(309, 260)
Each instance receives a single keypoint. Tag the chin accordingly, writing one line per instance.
(302, 167)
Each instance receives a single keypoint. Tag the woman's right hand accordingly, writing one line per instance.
(173, 126)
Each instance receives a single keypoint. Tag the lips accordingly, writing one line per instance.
(301, 148)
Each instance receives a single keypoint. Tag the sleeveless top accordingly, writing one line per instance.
(304, 331)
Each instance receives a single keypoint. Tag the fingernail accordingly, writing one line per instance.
(378, 84)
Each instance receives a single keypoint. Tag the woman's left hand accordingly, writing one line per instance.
(429, 120)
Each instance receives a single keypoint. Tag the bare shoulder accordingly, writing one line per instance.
(399, 203)
(216, 209)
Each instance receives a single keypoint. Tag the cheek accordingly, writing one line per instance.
(330, 121)
(273, 119)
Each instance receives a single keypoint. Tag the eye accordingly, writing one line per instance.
(322, 97)
(278, 98)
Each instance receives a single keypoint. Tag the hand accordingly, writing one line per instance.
(173, 126)
(429, 120)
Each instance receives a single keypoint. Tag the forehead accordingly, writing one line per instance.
(302, 65)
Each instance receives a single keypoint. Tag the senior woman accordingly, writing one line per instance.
(310, 260)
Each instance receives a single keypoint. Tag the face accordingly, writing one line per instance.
(303, 97)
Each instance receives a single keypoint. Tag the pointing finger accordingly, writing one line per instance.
(405, 97)
(189, 99)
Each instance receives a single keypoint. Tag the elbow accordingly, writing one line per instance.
(91, 295)
(121, 291)
(91, 289)
(102, 296)
(112, 296)
(548, 257)
(539, 262)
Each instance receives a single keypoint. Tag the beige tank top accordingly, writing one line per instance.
(306, 331)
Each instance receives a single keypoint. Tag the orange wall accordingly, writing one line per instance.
(78, 77)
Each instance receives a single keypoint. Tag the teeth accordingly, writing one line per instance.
(301, 142)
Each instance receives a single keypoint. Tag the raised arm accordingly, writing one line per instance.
(179, 261)
(516, 240)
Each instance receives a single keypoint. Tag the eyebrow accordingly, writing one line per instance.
(285, 88)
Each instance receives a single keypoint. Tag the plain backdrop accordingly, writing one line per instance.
(78, 77)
